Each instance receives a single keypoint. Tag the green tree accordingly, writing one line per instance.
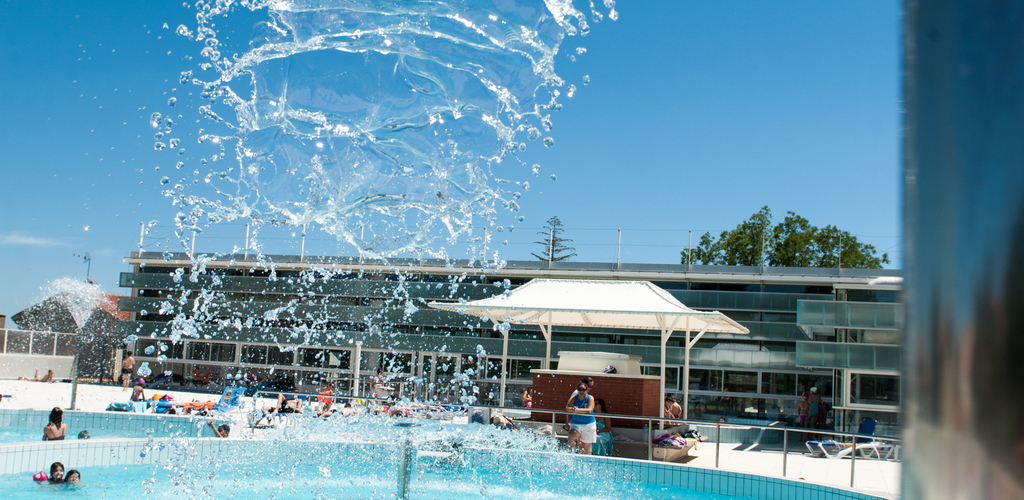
(744, 246)
(794, 242)
(555, 248)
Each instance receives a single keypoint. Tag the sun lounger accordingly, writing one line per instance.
(229, 400)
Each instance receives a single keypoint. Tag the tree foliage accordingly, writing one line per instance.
(794, 242)
(555, 246)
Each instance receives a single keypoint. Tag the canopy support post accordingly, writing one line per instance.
(504, 364)
(546, 331)
(686, 367)
(666, 333)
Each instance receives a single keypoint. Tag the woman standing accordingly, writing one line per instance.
(582, 420)
(604, 430)
(56, 428)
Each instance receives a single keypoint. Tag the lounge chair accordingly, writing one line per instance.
(864, 447)
(229, 400)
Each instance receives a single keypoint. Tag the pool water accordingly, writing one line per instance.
(326, 481)
(11, 435)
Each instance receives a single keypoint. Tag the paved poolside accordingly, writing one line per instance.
(877, 477)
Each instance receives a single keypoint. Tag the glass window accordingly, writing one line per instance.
(209, 351)
(868, 389)
(778, 383)
(396, 362)
(672, 378)
(142, 344)
(3, 339)
(743, 315)
(224, 353)
(66, 344)
(17, 342)
(337, 358)
(254, 354)
(42, 343)
(872, 296)
(311, 357)
(741, 381)
(705, 380)
(276, 356)
(823, 382)
(778, 317)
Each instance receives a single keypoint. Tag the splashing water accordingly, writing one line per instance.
(81, 298)
(401, 118)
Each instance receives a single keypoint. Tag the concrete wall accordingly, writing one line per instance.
(25, 365)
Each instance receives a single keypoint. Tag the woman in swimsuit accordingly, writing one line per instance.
(56, 429)
(126, 371)
(803, 410)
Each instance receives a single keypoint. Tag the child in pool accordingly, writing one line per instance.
(73, 476)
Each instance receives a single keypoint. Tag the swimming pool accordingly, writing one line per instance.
(24, 426)
(325, 481)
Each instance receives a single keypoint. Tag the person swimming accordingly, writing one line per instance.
(72, 476)
(56, 473)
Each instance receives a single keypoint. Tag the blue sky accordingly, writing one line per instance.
(697, 114)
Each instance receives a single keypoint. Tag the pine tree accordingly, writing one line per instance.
(555, 248)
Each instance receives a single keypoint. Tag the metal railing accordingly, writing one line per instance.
(854, 438)
(857, 441)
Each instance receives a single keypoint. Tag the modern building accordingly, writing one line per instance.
(315, 318)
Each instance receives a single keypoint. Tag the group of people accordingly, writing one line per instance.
(811, 410)
(57, 475)
(587, 434)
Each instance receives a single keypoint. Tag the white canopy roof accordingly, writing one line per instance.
(597, 304)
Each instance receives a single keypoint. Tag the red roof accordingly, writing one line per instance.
(109, 304)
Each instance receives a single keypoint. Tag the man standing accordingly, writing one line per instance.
(126, 370)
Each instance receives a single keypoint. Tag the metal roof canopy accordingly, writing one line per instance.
(638, 305)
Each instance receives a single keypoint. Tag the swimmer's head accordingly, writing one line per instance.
(72, 476)
(56, 472)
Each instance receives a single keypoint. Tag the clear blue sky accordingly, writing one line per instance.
(697, 114)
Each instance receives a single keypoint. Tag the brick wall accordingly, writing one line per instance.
(623, 395)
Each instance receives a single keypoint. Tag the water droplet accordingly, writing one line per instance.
(172, 101)
(554, 177)
(131, 338)
(184, 77)
(144, 370)
(536, 169)
(581, 50)
(156, 169)
(167, 256)
(526, 186)
(168, 372)
(159, 146)
(586, 79)
(533, 133)
(179, 165)
(571, 91)
(183, 30)
(144, 312)
(174, 142)
(86, 228)
(548, 142)
(181, 151)
(164, 180)
(157, 136)
(150, 350)
(163, 347)
(154, 119)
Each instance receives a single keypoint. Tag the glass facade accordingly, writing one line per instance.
(760, 375)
